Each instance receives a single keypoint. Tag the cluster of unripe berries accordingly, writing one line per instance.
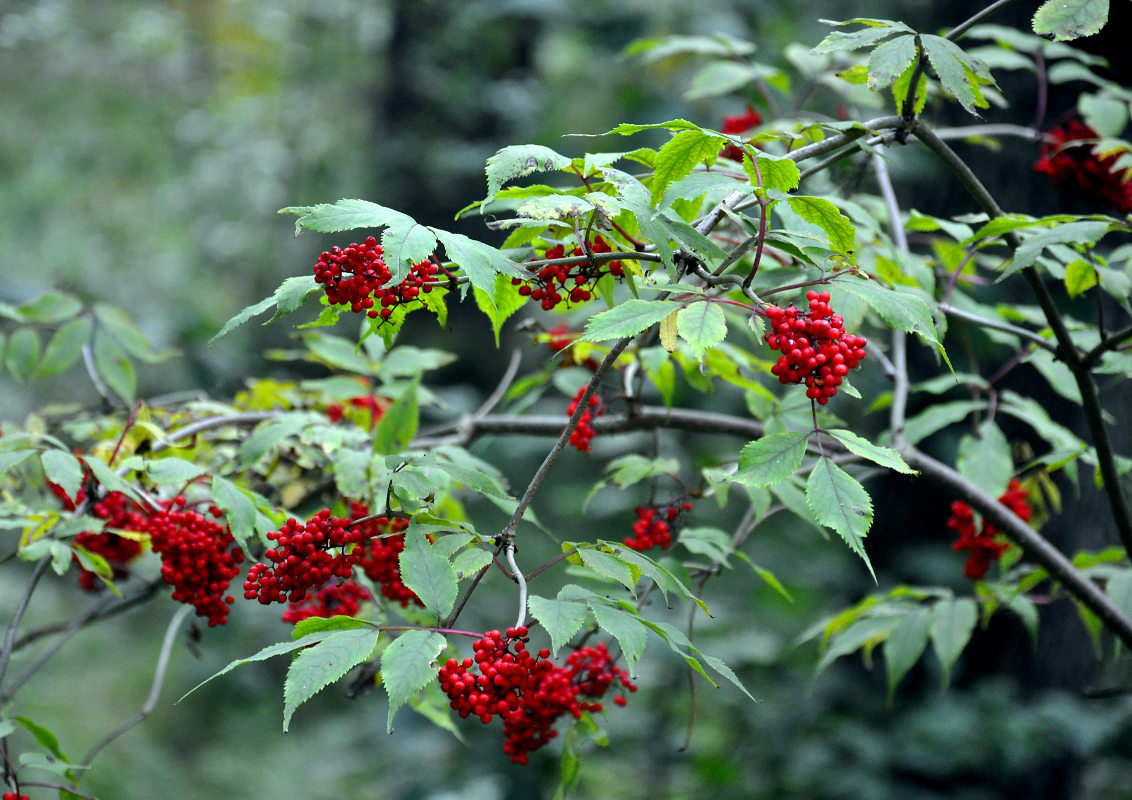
(654, 525)
(528, 693)
(312, 564)
(815, 348)
(199, 557)
(981, 543)
(357, 276)
(575, 281)
(583, 432)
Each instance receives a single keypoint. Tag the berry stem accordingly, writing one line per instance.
(517, 574)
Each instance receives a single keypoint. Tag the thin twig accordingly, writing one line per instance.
(975, 19)
(999, 325)
(509, 552)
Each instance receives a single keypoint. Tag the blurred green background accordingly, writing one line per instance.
(145, 148)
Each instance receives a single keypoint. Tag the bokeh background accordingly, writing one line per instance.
(145, 148)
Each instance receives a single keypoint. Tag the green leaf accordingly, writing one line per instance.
(771, 459)
(985, 459)
(108, 477)
(119, 325)
(722, 77)
(321, 664)
(428, 574)
(958, 72)
(345, 215)
(953, 622)
(518, 161)
(884, 456)
(626, 319)
(718, 44)
(44, 738)
(173, 470)
(904, 646)
(339, 622)
(500, 304)
(65, 347)
(634, 468)
(1080, 276)
(1065, 20)
(254, 310)
(403, 244)
(901, 310)
(888, 61)
(609, 566)
(238, 507)
(50, 309)
(838, 501)
(481, 262)
(680, 155)
(625, 627)
(701, 325)
(560, 617)
(13, 458)
(1087, 233)
(826, 216)
(63, 469)
(408, 665)
(469, 562)
(398, 425)
(636, 200)
(22, 353)
(271, 651)
(114, 367)
(777, 172)
(855, 40)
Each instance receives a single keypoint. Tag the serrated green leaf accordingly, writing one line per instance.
(902, 85)
(952, 623)
(701, 325)
(64, 347)
(405, 242)
(661, 576)
(901, 310)
(826, 216)
(561, 618)
(50, 309)
(1085, 232)
(635, 197)
(958, 72)
(626, 628)
(254, 310)
(888, 61)
(428, 574)
(680, 155)
(905, 644)
(173, 470)
(504, 301)
(321, 664)
(108, 477)
(855, 40)
(345, 215)
(778, 173)
(626, 319)
(634, 468)
(62, 468)
(722, 77)
(408, 665)
(518, 161)
(238, 507)
(837, 500)
(470, 561)
(114, 367)
(771, 459)
(884, 456)
(339, 622)
(292, 293)
(1065, 20)
(44, 737)
(985, 459)
(609, 566)
(480, 262)
(22, 353)
(398, 425)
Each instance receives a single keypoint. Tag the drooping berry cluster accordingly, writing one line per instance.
(575, 281)
(384, 541)
(357, 276)
(118, 551)
(1070, 163)
(654, 524)
(583, 432)
(528, 694)
(199, 558)
(815, 348)
(982, 544)
(345, 597)
(740, 123)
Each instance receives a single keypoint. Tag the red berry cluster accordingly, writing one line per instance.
(332, 599)
(561, 337)
(528, 694)
(740, 123)
(815, 348)
(356, 276)
(306, 556)
(118, 551)
(583, 432)
(981, 544)
(1074, 166)
(381, 555)
(199, 558)
(653, 527)
(576, 282)
(15, 796)
(375, 405)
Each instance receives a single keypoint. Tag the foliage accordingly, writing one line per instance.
(365, 507)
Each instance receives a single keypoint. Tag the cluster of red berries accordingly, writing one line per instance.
(559, 338)
(384, 541)
(575, 281)
(981, 544)
(528, 694)
(356, 276)
(1075, 166)
(345, 597)
(653, 527)
(583, 432)
(199, 558)
(375, 405)
(15, 796)
(740, 123)
(118, 551)
(815, 348)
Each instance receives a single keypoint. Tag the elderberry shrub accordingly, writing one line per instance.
(815, 348)
(528, 693)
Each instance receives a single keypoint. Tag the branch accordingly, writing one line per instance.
(975, 19)
(983, 322)
(1111, 342)
(18, 614)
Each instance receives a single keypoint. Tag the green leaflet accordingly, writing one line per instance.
(64, 347)
(837, 500)
(985, 459)
(518, 161)
(1064, 20)
(701, 325)
(826, 216)
(887, 62)
(626, 319)
(407, 666)
(319, 665)
(952, 623)
(680, 155)
(884, 456)
(959, 73)
(771, 459)
(428, 574)
(562, 618)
